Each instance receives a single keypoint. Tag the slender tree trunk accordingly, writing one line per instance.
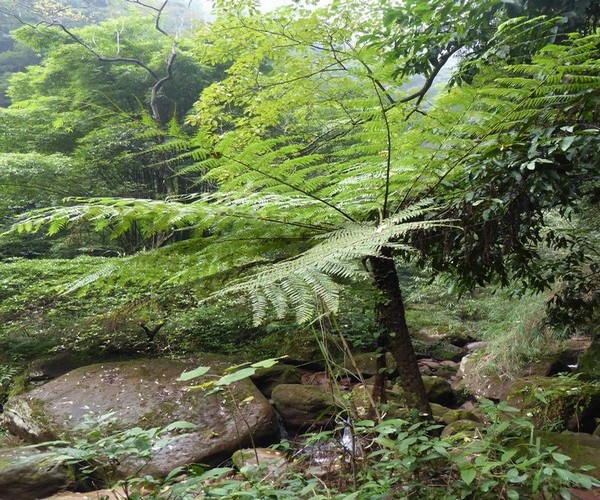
(396, 337)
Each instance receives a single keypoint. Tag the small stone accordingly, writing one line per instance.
(260, 463)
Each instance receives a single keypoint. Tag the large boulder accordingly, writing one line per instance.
(303, 406)
(145, 393)
(475, 379)
(27, 474)
(478, 382)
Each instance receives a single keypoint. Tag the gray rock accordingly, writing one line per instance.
(474, 346)
(26, 474)
(303, 406)
(145, 393)
(479, 383)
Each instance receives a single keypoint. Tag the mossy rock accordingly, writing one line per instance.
(266, 379)
(462, 428)
(366, 363)
(260, 463)
(438, 411)
(453, 415)
(360, 402)
(439, 390)
(584, 449)
(557, 403)
(447, 352)
(26, 475)
(303, 406)
(145, 393)
(589, 362)
(51, 367)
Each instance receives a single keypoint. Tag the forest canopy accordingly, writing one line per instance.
(281, 156)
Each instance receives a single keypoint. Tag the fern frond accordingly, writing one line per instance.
(310, 281)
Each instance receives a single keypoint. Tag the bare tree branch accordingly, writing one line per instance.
(158, 85)
(131, 60)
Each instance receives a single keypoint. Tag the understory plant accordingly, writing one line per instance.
(99, 450)
(394, 458)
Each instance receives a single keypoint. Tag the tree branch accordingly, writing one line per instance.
(159, 84)
(388, 169)
(131, 60)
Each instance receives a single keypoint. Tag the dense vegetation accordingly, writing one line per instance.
(305, 181)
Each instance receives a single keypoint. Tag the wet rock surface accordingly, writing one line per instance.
(145, 393)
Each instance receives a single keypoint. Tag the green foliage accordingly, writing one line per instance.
(399, 457)
(523, 147)
(316, 154)
(98, 453)
(36, 315)
(329, 137)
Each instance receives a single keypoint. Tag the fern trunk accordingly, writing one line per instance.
(396, 338)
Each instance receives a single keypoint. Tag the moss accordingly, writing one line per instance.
(461, 428)
(439, 390)
(268, 378)
(556, 402)
(19, 385)
(453, 415)
(167, 408)
(589, 366)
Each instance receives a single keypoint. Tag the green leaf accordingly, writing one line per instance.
(560, 458)
(507, 456)
(365, 423)
(215, 473)
(180, 425)
(198, 372)
(235, 376)
(512, 495)
(565, 142)
(266, 363)
(468, 475)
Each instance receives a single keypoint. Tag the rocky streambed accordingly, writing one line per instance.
(248, 415)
